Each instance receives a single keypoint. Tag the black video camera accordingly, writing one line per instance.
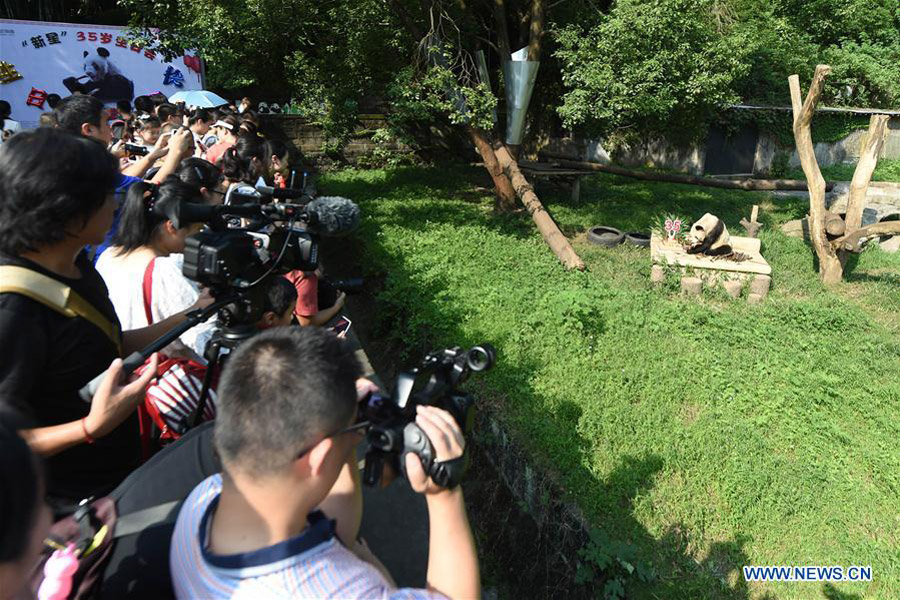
(277, 238)
(392, 431)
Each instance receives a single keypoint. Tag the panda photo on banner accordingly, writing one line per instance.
(103, 78)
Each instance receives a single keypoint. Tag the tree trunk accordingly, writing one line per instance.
(549, 230)
(502, 31)
(503, 190)
(830, 268)
(536, 31)
(868, 160)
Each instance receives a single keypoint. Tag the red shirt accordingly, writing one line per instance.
(215, 152)
(307, 285)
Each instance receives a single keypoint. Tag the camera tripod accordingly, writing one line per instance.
(225, 338)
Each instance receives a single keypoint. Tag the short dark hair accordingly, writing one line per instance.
(199, 173)
(19, 489)
(124, 106)
(143, 104)
(199, 114)
(142, 213)
(280, 296)
(281, 392)
(53, 100)
(165, 110)
(144, 124)
(73, 111)
(48, 179)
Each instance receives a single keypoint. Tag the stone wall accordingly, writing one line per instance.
(309, 138)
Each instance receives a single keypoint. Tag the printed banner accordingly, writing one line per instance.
(37, 59)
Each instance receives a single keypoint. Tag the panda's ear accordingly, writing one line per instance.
(103, 52)
(85, 53)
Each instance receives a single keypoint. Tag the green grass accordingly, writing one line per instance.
(887, 170)
(711, 434)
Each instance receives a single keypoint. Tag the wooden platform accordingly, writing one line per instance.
(554, 171)
(671, 253)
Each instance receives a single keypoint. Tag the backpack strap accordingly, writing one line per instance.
(148, 291)
(57, 296)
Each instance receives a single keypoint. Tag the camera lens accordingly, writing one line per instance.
(481, 358)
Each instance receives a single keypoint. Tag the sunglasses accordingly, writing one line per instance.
(362, 426)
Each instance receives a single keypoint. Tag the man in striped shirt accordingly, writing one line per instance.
(259, 530)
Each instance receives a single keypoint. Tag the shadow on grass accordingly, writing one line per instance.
(530, 544)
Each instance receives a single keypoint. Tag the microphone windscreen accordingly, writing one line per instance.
(334, 215)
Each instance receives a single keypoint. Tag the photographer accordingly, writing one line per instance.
(56, 197)
(143, 267)
(287, 403)
(86, 115)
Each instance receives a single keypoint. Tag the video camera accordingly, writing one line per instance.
(392, 431)
(251, 237)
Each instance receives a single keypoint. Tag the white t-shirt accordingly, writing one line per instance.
(171, 293)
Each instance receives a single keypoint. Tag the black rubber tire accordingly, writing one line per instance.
(605, 236)
(636, 238)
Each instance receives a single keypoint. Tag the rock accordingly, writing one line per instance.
(733, 288)
(760, 285)
(691, 286)
(796, 228)
(891, 244)
(657, 274)
(754, 299)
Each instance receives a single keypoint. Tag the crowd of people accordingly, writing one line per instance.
(91, 271)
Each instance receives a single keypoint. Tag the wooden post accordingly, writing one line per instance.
(830, 268)
(752, 226)
(503, 190)
(549, 230)
(868, 160)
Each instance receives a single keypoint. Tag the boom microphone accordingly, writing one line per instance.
(333, 215)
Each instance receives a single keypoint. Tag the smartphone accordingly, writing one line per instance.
(136, 150)
(342, 327)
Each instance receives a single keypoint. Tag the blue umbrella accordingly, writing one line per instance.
(201, 98)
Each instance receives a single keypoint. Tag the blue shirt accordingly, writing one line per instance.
(122, 186)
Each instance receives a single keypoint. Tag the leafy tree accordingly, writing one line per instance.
(649, 65)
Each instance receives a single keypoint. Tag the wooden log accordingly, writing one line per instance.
(733, 288)
(503, 190)
(691, 286)
(834, 224)
(730, 184)
(868, 160)
(830, 267)
(545, 224)
(853, 242)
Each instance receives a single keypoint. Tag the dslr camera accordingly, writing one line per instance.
(391, 430)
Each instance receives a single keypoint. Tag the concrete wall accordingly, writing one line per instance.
(848, 149)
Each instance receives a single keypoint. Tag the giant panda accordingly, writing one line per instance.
(709, 236)
(104, 79)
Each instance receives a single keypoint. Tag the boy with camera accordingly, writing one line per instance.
(285, 432)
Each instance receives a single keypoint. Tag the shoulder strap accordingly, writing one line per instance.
(57, 296)
(148, 291)
(138, 521)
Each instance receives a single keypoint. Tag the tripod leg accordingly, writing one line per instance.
(212, 360)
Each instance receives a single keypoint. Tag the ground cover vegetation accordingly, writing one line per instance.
(707, 434)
